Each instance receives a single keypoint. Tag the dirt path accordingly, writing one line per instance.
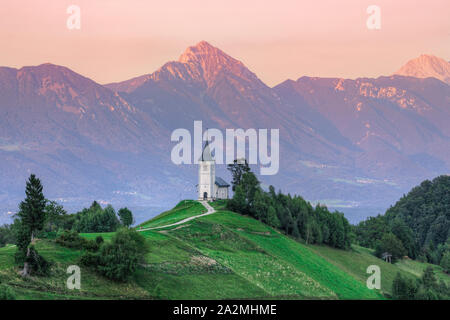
(210, 209)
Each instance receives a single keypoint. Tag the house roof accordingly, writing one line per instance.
(221, 183)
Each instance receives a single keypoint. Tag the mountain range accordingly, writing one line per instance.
(354, 144)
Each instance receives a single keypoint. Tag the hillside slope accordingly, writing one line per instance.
(220, 256)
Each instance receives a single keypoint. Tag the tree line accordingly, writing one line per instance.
(40, 218)
(51, 218)
(425, 288)
(291, 214)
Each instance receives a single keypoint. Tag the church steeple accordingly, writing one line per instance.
(210, 187)
(206, 153)
(206, 174)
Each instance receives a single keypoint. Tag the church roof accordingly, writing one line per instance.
(221, 183)
(206, 153)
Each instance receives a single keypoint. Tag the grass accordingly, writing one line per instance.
(275, 263)
(219, 204)
(417, 268)
(7, 256)
(164, 248)
(93, 286)
(356, 261)
(220, 256)
(196, 286)
(91, 236)
(183, 210)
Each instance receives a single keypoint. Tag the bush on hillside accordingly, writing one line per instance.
(99, 240)
(118, 259)
(425, 288)
(90, 259)
(403, 288)
(71, 239)
(445, 262)
(390, 244)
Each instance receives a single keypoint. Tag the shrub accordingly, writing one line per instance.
(391, 244)
(403, 289)
(48, 235)
(71, 239)
(445, 262)
(90, 259)
(118, 259)
(99, 240)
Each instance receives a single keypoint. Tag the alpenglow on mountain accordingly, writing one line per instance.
(355, 145)
(426, 66)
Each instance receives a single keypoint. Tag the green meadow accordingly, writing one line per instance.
(220, 256)
(183, 210)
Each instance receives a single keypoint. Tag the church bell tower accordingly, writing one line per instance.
(206, 174)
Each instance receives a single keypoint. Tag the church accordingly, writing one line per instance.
(210, 187)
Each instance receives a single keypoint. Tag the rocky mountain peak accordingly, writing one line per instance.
(425, 66)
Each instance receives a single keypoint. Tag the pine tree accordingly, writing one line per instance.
(250, 186)
(428, 278)
(403, 289)
(259, 210)
(32, 219)
(272, 219)
(238, 202)
(237, 169)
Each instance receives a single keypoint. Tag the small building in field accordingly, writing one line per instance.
(210, 187)
(386, 256)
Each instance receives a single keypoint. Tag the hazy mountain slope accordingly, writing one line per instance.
(353, 144)
(397, 122)
(50, 103)
(207, 84)
(82, 139)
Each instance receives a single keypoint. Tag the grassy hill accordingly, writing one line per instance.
(219, 256)
(182, 210)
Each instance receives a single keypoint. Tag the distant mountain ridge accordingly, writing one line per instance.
(81, 138)
(349, 143)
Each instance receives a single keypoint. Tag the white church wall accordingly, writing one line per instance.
(206, 179)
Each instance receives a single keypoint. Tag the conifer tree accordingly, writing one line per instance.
(31, 217)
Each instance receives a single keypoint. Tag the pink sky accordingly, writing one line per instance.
(120, 39)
